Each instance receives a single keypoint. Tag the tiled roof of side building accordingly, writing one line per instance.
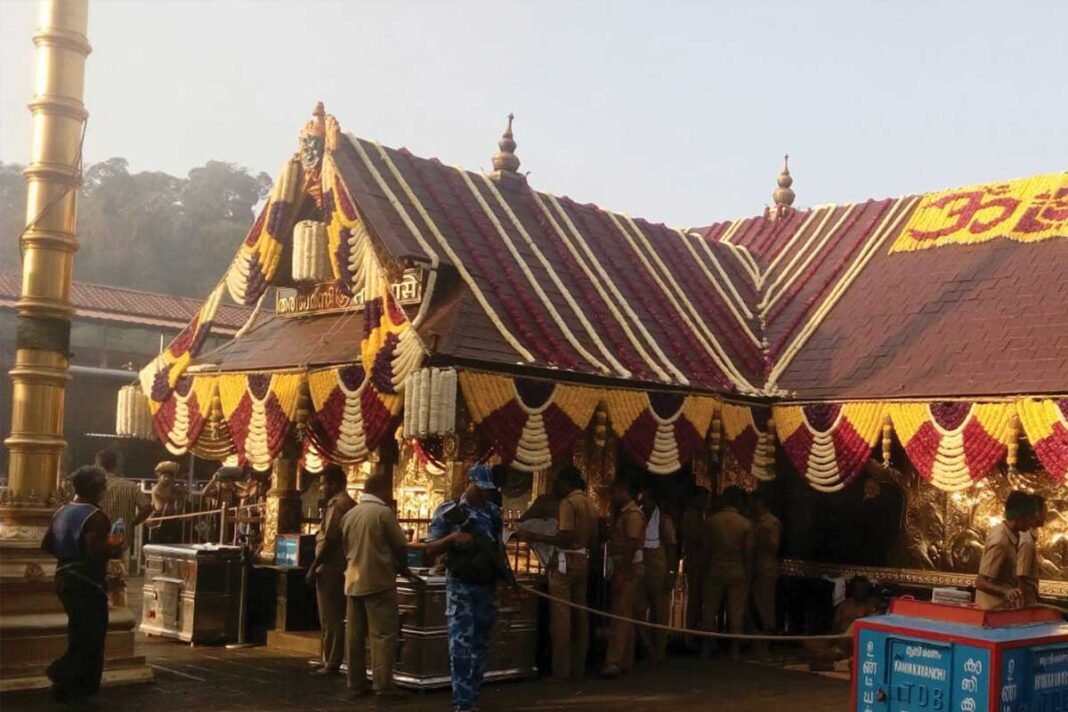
(117, 304)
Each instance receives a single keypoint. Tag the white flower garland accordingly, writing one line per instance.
(898, 211)
(791, 275)
(738, 315)
(638, 323)
(351, 442)
(689, 314)
(505, 333)
(566, 293)
(430, 402)
(789, 243)
(525, 269)
(597, 284)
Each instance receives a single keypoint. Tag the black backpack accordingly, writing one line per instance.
(480, 562)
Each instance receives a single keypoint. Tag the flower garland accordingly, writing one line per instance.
(179, 420)
(829, 443)
(579, 313)
(1025, 210)
(583, 274)
(259, 409)
(735, 304)
(894, 215)
(442, 242)
(160, 376)
(430, 402)
(533, 424)
(390, 348)
(724, 373)
(954, 444)
(351, 417)
(788, 243)
(751, 445)
(1045, 421)
(709, 315)
(311, 458)
(661, 431)
(256, 261)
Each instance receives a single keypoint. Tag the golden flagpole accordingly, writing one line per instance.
(32, 623)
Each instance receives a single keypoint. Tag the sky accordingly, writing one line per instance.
(676, 111)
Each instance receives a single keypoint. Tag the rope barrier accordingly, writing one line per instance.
(683, 631)
(202, 513)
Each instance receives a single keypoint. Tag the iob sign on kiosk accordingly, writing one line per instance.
(933, 657)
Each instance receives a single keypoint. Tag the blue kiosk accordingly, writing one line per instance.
(931, 657)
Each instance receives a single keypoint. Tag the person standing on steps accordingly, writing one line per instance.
(80, 538)
(327, 570)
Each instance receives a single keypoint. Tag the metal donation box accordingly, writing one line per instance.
(423, 649)
(192, 592)
(931, 657)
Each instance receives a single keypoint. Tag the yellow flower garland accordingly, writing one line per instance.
(1024, 210)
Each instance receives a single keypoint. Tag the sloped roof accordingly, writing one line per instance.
(563, 285)
(102, 302)
(812, 305)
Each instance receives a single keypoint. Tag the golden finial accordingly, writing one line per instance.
(505, 160)
(783, 195)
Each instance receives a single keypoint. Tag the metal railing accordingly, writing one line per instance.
(521, 557)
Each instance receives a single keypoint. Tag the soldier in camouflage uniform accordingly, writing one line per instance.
(470, 605)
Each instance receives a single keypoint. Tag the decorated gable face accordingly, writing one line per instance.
(311, 150)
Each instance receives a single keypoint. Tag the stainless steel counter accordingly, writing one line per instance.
(192, 592)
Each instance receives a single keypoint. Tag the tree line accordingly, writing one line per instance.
(147, 230)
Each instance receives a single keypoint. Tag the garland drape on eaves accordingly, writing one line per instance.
(179, 420)
(660, 431)
(828, 443)
(532, 424)
(746, 435)
(1045, 421)
(351, 416)
(954, 444)
(260, 409)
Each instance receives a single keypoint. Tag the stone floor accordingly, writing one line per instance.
(211, 678)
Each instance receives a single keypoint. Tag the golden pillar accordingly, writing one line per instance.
(283, 513)
(32, 622)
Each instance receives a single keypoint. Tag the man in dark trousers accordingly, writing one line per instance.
(327, 570)
(80, 538)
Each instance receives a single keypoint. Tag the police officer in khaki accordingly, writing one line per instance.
(660, 559)
(625, 558)
(569, 573)
(767, 537)
(728, 543)
(997, 585)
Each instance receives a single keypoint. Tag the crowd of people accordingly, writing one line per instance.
(727, 548)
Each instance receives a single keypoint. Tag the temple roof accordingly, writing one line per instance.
(950, 294)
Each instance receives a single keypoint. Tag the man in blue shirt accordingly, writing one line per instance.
(469, 533)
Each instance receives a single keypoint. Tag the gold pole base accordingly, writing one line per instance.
(33, 624)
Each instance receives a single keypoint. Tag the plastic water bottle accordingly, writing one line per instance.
(118, 532)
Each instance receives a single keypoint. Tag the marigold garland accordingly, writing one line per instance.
(1026, 210)
(661, 431)
(351, 416)
(259, 409)
(749, 442)
(954, 444)
(179, 420)
(829, 443)
(532, 424)
(1045, 422)
(256, 261)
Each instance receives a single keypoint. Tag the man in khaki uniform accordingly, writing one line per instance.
(660, 558)
(625, 557)
(327, 570)
(1028, 571)
(728, 544)
(569, 573)
(767, 536)
(692, 534)
(375, 546)
(996, 585)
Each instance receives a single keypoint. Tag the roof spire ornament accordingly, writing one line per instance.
(784, 195)
(505, 162)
